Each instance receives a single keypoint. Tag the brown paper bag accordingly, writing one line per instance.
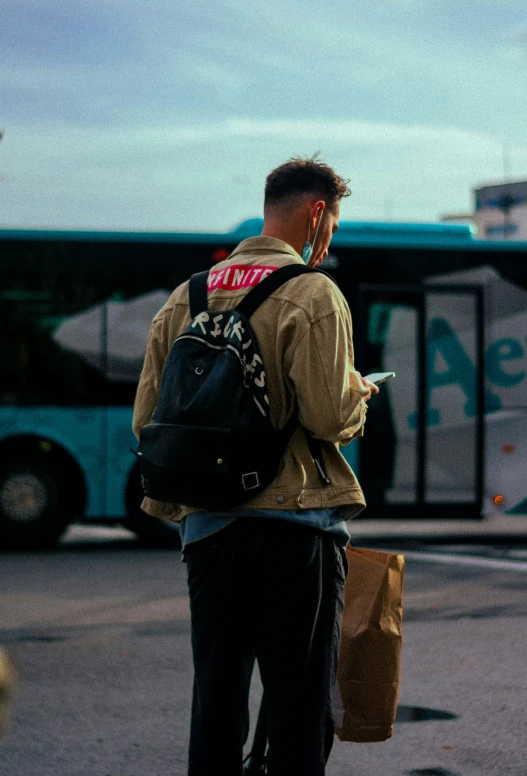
(7, 677)
(370, 648)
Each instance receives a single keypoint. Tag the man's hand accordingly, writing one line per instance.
(372, 388)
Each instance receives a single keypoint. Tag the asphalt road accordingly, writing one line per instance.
(99, 630)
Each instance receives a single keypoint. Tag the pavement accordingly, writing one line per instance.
(99, 630)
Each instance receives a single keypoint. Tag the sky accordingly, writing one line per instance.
(120, 114)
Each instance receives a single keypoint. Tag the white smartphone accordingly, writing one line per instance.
(380, 377)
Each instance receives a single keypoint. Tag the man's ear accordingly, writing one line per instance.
(317, 208)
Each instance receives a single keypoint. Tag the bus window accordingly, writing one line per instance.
(388, 460)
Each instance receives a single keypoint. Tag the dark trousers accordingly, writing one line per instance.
(269, 590)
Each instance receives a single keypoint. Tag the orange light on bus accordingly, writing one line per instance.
(507, 448)
(499, 500)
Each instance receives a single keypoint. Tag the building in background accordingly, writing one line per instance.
(459, 218)
(500, 212)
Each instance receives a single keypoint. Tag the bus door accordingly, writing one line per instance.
(422, 453)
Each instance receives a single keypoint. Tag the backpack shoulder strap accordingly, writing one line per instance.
(259, 293)
(249, 304)
(197, 292)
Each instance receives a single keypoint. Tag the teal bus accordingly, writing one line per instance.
(445, 311)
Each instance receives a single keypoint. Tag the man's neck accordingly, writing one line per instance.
(280, 232)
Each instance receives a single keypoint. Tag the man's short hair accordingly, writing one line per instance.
(304, 176)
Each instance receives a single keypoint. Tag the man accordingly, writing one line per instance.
(266, 580)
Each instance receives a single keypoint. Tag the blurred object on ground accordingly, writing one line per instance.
(7, 678)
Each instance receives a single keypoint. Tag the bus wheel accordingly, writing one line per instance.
(152, 531)
(29, 507)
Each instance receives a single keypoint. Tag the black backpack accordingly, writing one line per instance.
(210, 443)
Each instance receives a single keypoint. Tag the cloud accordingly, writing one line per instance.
(174, 120)
(210, 175)
(201, 70)
(102, 64)
(518, 35)
(148, 140)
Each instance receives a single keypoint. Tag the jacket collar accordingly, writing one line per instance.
(266, 245)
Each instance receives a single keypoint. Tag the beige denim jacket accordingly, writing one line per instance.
(305, 338)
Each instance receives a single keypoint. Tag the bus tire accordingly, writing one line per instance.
(31, 508)
(151, 531)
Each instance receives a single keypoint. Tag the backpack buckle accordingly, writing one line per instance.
(250, 481)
